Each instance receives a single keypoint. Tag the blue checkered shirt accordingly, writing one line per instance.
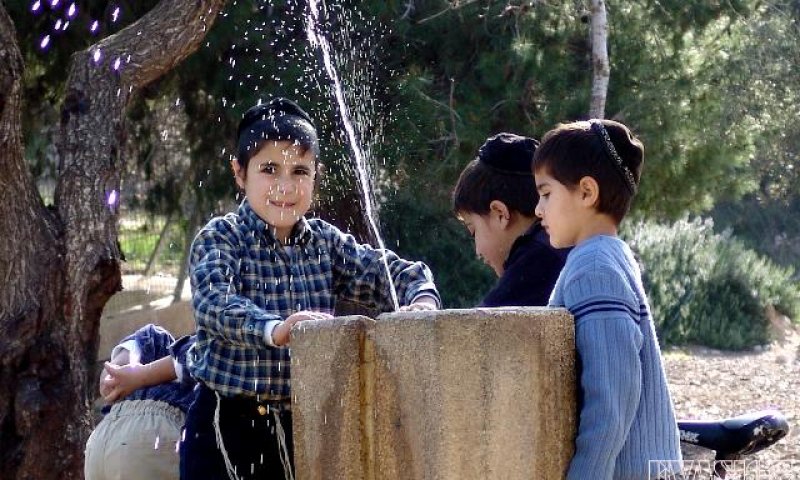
(242, 278)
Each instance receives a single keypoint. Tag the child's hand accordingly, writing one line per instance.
(281, 333)
(425, 302)
(119, 381)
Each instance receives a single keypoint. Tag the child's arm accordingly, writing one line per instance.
(608, 341)
(359, 274)
(218, 306)
(120, 381)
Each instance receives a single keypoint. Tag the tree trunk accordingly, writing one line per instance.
(59, 266)
(600, 68)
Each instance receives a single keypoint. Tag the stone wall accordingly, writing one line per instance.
(451, 394)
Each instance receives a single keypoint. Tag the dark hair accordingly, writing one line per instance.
(501, 171)
(575, 150)
(280, 119)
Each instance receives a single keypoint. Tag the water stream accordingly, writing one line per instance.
(320, 42)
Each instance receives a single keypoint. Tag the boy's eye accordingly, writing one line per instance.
(302, 171)
(268, 168)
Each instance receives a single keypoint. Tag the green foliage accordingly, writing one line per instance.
(442, 243)
(769, 226)
(707, 288)
(709, 86)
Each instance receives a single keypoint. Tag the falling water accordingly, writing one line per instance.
(318, 41)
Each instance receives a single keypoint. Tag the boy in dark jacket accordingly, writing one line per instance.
(495, 197)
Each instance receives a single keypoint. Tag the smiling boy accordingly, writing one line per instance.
(257, 272)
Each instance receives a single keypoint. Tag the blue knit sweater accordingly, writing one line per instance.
(626, 413)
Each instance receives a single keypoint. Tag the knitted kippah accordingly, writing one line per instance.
(508, 153)
(274, 108)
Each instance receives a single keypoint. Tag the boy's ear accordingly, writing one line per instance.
(499, 211)
(590, 191)
(238, 173)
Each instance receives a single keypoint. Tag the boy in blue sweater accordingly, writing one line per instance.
(587, 174)
(495, 198)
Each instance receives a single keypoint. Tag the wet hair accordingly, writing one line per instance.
(280, 119)
(501, 171)
(605, 150)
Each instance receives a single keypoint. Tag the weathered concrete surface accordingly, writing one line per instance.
(327, 387)
(453, 394)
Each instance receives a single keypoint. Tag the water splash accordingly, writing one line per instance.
(319, 42)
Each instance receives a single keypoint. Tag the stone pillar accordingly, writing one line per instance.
(452, 394)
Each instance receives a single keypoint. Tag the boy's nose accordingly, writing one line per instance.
(286, 185)
(539, 211)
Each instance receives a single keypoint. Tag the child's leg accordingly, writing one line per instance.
(249, 440)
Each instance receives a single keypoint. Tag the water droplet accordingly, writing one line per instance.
(97, 55)
(72, 11)
(115, 14)
(45, 42)
(95, 26)
(117, 63)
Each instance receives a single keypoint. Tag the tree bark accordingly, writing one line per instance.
(600, 67)
(60, 265)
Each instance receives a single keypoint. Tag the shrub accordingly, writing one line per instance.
(707, 288)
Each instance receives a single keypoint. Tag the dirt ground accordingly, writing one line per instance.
(707, 383)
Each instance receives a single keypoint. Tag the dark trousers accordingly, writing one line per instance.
(249, 436)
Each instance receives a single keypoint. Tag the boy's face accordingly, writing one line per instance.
(492, 241)
(563, 211)
(279, 183)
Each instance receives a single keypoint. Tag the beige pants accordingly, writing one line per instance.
(136, 440)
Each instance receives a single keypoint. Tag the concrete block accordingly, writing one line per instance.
(452, 394)
(328, 393)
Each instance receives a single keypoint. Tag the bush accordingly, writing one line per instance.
(707, 288)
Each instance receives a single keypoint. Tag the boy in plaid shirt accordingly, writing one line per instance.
(257, 272)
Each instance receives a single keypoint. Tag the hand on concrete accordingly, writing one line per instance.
(282, 333)
(425, 302)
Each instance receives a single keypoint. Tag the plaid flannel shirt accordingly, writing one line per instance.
(242, 278)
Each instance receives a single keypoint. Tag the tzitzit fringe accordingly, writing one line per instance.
(283, 451)
(220, 444)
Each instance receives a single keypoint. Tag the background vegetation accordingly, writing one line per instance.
(710, 87)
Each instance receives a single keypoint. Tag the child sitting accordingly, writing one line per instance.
(137, 437)
(495, 197)
(587, 174)
(257, 272)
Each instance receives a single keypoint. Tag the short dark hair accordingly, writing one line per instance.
(501, 171)
(575, 150)
(280, 119)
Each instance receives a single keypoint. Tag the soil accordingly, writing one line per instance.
(707, 383)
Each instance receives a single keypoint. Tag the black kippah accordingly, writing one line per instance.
(274, 108)
(508, 153)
